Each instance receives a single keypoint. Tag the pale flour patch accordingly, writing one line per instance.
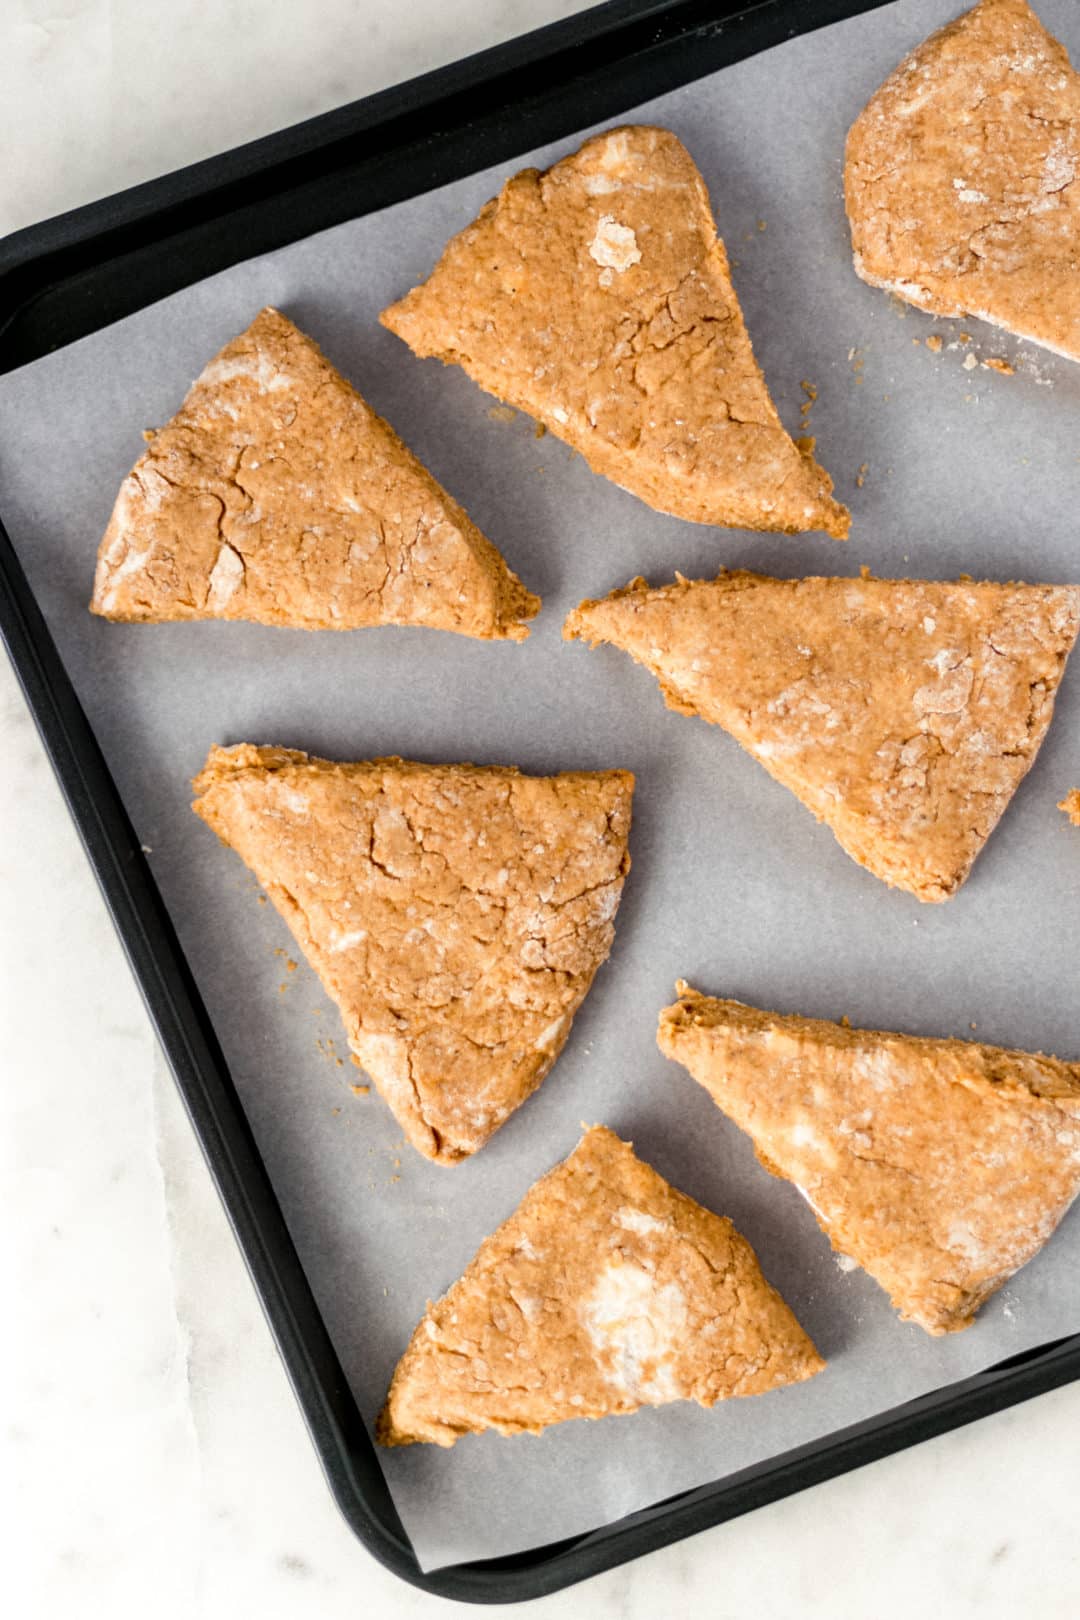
(636, 1220)
(614, 246)
(637, 1327)
(225, 578)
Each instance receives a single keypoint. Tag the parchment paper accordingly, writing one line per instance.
(734, 885)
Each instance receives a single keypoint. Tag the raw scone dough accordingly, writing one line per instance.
(605, 1291)
(903, 713)
(597, 297)
(941, 1166)
(963, 177)
(455, 913)
(277, 494)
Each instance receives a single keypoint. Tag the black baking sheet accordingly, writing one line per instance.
(733, 885)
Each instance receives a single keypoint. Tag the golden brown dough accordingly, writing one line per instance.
(455, 913)
(277, 494)
(597, 297)
(1071, 806)
(941, 1166)
(605, 1291)
(963, 177)
(903, 713)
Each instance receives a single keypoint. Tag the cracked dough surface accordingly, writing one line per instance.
(597, 297)
(903, 713)
(941, 1166)
(276, 494)
(606, 1290)
(455, 913)
(963, 177)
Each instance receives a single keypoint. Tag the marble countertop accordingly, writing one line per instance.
(158, 1458)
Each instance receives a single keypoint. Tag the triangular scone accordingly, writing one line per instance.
(940, 1166)
(903, 713)
(1071, 806)
(276, 494)
(455, 913)
(605, 1291)
(597, 297)
(963, 177)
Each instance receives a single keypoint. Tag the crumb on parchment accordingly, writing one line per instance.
(804, 414)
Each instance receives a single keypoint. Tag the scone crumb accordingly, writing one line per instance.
(806, 407)
(1071, 806)
(935, 343)
(996, 363)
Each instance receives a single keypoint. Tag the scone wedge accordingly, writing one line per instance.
(456, 914)
(963, 177)
(605, 1291)
(597, 297)
(903, 713)
(276, 494)
(940, 1166)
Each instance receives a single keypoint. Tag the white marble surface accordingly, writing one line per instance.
(157, 1457)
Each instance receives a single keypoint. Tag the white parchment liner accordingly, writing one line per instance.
(734, 886)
